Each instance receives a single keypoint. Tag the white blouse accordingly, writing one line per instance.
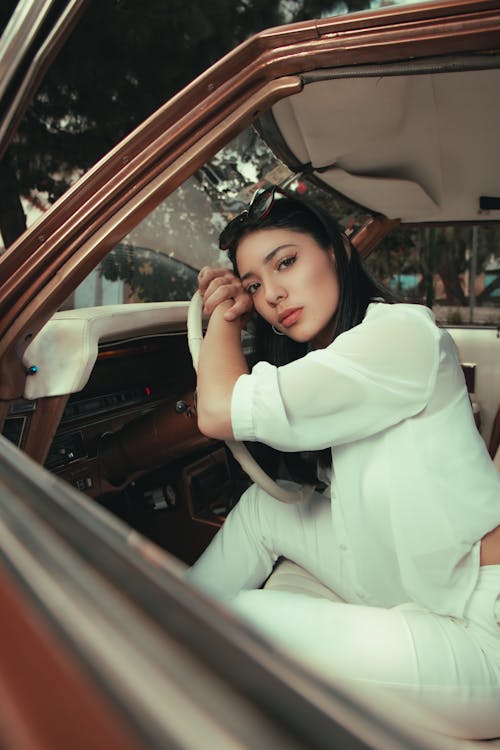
(413, 486)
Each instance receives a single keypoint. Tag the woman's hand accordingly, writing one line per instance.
(219, 286)
(221, 359)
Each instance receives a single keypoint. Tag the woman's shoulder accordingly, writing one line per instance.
(394, 327)
(400, 312)
(392, 331)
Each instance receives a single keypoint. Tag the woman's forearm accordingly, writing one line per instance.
(220, 364)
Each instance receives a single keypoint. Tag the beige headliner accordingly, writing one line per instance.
(416, 147)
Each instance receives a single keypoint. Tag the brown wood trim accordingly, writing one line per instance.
(148, 441)
(389, 16)
(42, 426)
(4, 410)
(12, 375)
(47, 700)
(369, 236)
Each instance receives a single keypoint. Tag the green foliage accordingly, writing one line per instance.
(398, 253)
(436, 254)
(150, 276)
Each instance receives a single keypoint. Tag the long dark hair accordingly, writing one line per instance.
(357, 288)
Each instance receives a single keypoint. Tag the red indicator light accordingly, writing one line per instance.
(148, 390)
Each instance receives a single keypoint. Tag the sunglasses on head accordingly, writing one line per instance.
(259, 207)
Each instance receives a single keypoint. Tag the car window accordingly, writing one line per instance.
(455, 270)
(159, 259)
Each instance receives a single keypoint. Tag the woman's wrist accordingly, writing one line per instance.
(225, 312)
(220, 364)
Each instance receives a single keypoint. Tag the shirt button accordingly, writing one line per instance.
(344, 547)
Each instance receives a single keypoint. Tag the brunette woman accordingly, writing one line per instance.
(406, 532)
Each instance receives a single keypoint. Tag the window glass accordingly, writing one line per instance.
(159, 260)
(455, 270)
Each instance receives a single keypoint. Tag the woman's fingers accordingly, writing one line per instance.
(208, 274)
(228, 279)
(241, 307)
(220, 292)
(217, 285)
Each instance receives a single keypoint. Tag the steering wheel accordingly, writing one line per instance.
(239, 450)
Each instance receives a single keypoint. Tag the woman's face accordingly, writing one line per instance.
(293, 282)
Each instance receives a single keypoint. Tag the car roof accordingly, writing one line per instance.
(413, 140)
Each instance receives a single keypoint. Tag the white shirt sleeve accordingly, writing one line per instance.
(371, 377)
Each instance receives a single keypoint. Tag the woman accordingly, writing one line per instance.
(407, 531)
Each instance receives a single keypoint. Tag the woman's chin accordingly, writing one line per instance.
(301, 337)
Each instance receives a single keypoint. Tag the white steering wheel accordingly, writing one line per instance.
(239, 450)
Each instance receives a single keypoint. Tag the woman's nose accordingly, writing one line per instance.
(274, 293)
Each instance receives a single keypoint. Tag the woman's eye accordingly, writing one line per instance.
(286, 262)
(252, 288)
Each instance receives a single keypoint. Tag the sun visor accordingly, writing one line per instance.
(403, 140)
(395, 198)
(330, 120)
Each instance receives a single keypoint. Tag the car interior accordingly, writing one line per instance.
(108, 401)
(98, 384)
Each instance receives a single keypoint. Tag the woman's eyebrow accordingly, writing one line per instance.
(267, 259)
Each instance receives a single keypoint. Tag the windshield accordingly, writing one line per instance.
(160, 258)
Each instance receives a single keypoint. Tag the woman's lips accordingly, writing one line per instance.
(290, 317)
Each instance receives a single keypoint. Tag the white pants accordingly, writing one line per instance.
(447, 667)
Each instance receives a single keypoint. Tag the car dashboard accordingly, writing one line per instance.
(127, 435)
